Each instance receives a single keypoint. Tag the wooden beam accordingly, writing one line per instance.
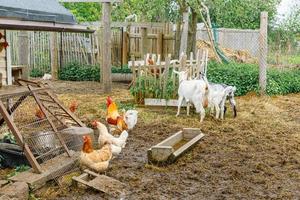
(106, 48)
(14, 24)
(8, 61)
(54, 55)
(125, 48)
(15, 131)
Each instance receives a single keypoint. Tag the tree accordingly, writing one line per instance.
(285, 33)
(84, 11)
(240, 14)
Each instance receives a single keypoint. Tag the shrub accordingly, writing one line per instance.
(245, 78)
(78, 72)
(36, 72)
(124, 69)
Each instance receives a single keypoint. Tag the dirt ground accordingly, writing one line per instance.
(253, 156)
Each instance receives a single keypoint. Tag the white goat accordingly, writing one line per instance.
(217, 95)
(217, 98)
(230, 90)
(192, 90)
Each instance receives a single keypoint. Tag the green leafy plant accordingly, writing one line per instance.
(17, 170)
(9, 138)
(36, 72)
(123, 70)
(78, 72)
(243, 76)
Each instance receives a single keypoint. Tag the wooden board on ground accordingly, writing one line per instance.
(174, 146)
(50, 170)
(162, 102)
(102, 183)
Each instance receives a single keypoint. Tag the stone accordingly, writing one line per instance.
(3, 182)
(16, 190)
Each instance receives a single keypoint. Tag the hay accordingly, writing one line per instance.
(242, 56)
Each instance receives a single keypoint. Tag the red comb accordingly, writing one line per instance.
(109, 101)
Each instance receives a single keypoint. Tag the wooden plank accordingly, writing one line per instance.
(102, 183)
(162, 102)
(144, 41)
(51, 169)
(159, 44)
(173, 139)
(189, 133)
(188, 145)
(15, 131)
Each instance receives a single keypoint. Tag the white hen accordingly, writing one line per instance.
(131, 118)
(47, 77)
(106, 137)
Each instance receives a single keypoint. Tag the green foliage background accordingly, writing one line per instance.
(243, 76)
(78, 72)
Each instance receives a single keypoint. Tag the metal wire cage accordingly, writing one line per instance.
(38, 120)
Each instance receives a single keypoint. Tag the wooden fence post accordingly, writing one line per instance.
(263, 52)
(106, 47)
(144, 45)
(184, 35)
(23, 52)
(125, 48)
(54, 55)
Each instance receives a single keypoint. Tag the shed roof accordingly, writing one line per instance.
(36, 10)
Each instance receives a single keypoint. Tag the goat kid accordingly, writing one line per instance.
(218, 96)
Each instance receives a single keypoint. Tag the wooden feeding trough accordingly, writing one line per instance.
(174, 146)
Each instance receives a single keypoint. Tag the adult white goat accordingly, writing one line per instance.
(194, 91)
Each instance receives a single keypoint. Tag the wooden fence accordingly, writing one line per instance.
(158, 80)
(128, 40)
